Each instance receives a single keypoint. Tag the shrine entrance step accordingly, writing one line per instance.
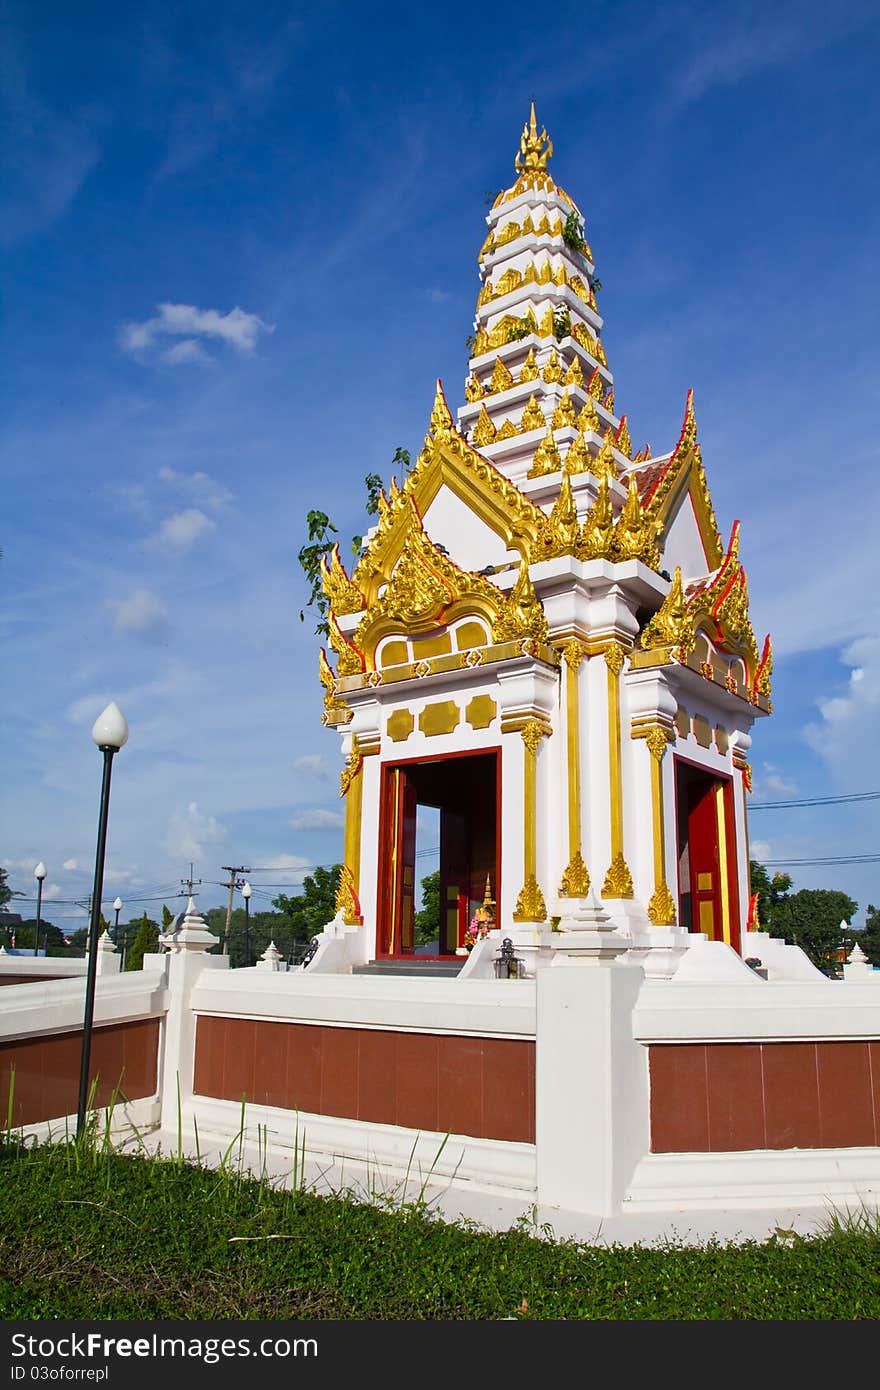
(413, 965)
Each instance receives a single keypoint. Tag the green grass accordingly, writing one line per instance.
(89, 1233)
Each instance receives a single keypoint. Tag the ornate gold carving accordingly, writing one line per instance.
(529, 369)
(350, 660)
(347, 901)
(635, 535)
(352, 767)
(399, 725)
(552, 370)
(622, 438)
(422, 669)
(573, 653)
(598, 529)
(672, 625)
(484, 430)
(481, 343)
(586, 339)
(747, 775)
(480, 711)
(545, 328)
(530, 905)
(547, 459)
(564, 414)
(564, 531)
(534, 149)
(574, 376)
(577, 459)
(615, 656)
(532, 417)
(342, 594)
(507, 431)
(599, 354)
(618, 880)
(439, 718)
(509, 232)
(531, 733)
(605, 464)
(661, 908)
(523, 615)
(765, 669)
(473, 389)
(576, 879)
(335, 711)
(657, 739)
(589, 418)
(509, 281)
(596, 386)
(609, 401)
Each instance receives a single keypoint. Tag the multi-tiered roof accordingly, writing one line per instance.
(539, 456)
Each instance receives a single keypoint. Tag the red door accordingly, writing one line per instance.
(398, 858)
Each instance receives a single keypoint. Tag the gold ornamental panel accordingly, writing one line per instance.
(439, 718)
(400, 725)
(480, 712)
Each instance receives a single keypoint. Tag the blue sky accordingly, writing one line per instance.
(303, 188)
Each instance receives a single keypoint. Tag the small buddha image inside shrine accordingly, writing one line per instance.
(465, 790)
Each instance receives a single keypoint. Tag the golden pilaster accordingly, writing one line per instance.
(661, 908)
(576, 879)
(347, 899)
(618, 880)
(530, 905)
(721, 815)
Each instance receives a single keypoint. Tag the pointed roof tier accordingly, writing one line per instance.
(538, 363)
(535, 480)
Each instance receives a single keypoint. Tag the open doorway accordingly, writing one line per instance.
(460, 793)
(707, 867)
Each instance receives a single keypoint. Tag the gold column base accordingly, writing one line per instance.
(618, 880)
(661, 908)
(530, 905)
(576, 879)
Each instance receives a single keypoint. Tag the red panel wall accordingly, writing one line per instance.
(484, 1087)
(727, 1097)
(46, 1085)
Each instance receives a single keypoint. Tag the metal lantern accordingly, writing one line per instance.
(508, 965)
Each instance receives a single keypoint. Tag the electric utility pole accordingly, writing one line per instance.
(234, 882)
(188, 883)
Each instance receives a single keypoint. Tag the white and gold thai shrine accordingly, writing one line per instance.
(546, 638)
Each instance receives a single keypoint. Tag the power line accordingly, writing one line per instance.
(829, 859)
(814, 801)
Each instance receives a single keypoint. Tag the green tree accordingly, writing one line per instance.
(308, 912)
(770, 891)
(811, 919)
(5, 891)
(427, 919)
(50, 935)
(146, 938)
(869, 939)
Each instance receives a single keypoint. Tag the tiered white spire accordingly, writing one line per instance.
(539, 392)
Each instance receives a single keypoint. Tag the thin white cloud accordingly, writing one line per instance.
(236, 329)
(318, 820)
(313, 765)
(186, 351)
(771, 783)
(842, 736)
(70, 865)
(47, 156)
(183, 529)
(200, 486)
(760, 850)
(141, 614)
(190, 832)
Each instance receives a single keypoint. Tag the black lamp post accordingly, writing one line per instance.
(246, 894)
(110, 733)
(39, 875)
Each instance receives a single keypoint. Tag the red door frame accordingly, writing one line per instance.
(388, 887)
(731, 877)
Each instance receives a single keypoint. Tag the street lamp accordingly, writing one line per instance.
(117, 908)
(39, 875)
(110, 733)
(246, 894)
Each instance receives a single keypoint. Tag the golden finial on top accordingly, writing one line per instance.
(534, 149)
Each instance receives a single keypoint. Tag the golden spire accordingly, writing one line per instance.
(534, 149)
